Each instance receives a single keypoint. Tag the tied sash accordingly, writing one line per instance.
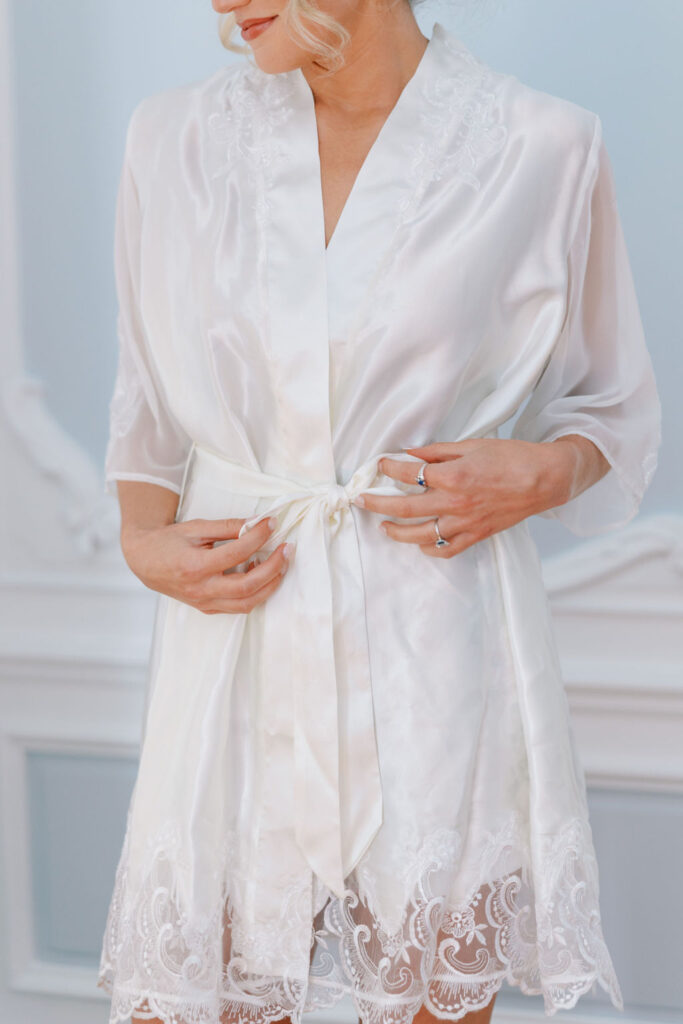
(338, 807)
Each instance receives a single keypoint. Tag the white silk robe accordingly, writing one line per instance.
(369, 784)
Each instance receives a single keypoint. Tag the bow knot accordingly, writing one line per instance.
(337, 499)
(336, 771)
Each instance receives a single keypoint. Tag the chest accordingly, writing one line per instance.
(343, 145)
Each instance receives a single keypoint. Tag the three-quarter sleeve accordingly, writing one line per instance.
(145, 440)
(599, 380)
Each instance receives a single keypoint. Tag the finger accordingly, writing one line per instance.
(429, 503)
(243, 585)
(233, 552)
(439, 451)
(240, 606)
(455, 545)
(211, 529)
(406, 472)
(241, 594)
(423, 533)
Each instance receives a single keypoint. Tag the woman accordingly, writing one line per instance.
(339, 275)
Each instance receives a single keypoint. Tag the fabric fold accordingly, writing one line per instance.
(338, 803)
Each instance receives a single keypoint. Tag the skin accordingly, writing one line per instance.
(479, 486)
(178, 559)
(476, 487)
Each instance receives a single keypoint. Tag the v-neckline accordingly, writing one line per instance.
(371, 157)
(314, 294)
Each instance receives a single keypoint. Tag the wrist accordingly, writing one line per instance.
(133, 533)
(578, 464)
(560, 471)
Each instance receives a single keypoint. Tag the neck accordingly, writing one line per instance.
(383, 53)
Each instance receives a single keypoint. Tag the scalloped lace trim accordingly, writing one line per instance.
(536, 927)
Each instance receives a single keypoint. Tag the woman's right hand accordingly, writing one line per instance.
(179, 559)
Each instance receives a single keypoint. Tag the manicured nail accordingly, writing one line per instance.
(383, 528)
(359, 500)
(272, 522)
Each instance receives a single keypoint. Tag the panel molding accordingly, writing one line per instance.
(26, 971)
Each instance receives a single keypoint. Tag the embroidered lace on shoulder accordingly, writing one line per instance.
(463, 122)
(249, 107)
(462, 111)
(538, 928)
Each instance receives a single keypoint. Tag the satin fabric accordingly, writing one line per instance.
(478, 272)
(332, 832)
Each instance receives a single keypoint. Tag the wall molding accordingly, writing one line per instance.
(599, 559)
(26, 971)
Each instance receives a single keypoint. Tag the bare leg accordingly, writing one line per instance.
(423, 1016)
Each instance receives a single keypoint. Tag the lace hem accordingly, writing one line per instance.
(538, 930)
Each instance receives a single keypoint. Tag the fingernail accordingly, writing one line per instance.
(383, 528)
(359, 500)
(272, 522)
(288, 550)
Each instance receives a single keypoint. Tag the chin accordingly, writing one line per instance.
(275, 52)
(272, 63)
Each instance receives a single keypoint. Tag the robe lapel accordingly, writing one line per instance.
(298, 265)
(297, 285)
(362, 242)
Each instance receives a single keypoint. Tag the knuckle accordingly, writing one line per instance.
(454, 502)
(243, 585)
(194, 594)
(190, 566)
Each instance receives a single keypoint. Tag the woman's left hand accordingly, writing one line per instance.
(475, 487)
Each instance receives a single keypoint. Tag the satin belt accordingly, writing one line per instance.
(333, 837)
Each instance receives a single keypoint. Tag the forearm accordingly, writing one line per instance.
(577, 463)
(144, 506)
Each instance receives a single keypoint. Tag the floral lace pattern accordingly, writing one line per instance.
(460, 107)
(462, 124)
(251, 105)
(538, 929)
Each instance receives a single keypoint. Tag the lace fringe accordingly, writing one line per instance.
(542, 935)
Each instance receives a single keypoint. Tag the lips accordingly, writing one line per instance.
(255, 21)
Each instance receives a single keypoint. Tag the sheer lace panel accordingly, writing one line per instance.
(538, 928)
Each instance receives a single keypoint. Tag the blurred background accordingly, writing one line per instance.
(75, 624)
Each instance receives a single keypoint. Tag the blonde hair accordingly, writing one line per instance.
(297, 14)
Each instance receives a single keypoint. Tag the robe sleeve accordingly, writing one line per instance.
(145, 440)
(599, 380)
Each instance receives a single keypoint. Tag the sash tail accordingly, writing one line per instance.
(338, 792)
